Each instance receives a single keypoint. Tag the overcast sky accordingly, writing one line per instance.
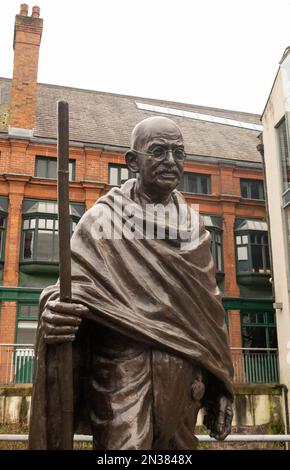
(220, 53)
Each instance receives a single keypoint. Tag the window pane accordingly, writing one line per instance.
(245, 318)
(205, 184)
(52, 168)
(257, 258)
(34, 311)
(272, 335)
(28, 245)
(244, 189)
(124, 174)
(41, 167)
(238, 240)
(113, 176)
(192, 184)
(254, 337)
(25, 224)
(26, 332)
(255, 189)
(41, 223)
(56, 247)
(253, 238)
(23, 311)
(44, 246)
(71, 168)
(245, 239)
(253, 318)
(267, 258)
(261, 318)
(242, 253)
(219, 258)
(49, 224)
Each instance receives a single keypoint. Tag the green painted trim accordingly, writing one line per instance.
(248, 305)
(19, 294)
(39, 267)
(24, 294)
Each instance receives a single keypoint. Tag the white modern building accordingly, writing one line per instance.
(276, 140)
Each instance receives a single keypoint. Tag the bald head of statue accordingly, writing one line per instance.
(157, 155)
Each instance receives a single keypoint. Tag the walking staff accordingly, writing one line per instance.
(64, 350)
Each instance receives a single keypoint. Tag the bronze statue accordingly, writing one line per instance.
(150, 346)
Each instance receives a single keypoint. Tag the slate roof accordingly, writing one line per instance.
(107, 118)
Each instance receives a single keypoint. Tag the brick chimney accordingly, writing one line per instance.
(27, 37)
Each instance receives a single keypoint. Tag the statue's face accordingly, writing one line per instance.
(161, 173)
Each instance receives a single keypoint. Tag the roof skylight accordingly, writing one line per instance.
(198, 116)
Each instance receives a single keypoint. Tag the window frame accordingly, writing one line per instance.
(28, 318)
(247, 182)
(214, 232)
(37, 215)
(249, 244)
(40, 216)
(257, 324)
(119, 167)
(184, 183)
(47, 160)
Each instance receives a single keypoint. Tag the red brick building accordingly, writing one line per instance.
(223, 174)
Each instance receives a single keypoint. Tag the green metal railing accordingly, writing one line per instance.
(255, 365)
(251, 365)
(16, 363)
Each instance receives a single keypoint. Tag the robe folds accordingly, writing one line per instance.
(161, 293)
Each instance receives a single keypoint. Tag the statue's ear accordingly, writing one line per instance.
(131, 160)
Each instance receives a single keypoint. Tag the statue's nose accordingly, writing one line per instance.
(170, 157)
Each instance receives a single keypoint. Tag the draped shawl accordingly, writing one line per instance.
(161, 292)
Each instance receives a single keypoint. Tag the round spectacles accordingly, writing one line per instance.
(160, 153)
